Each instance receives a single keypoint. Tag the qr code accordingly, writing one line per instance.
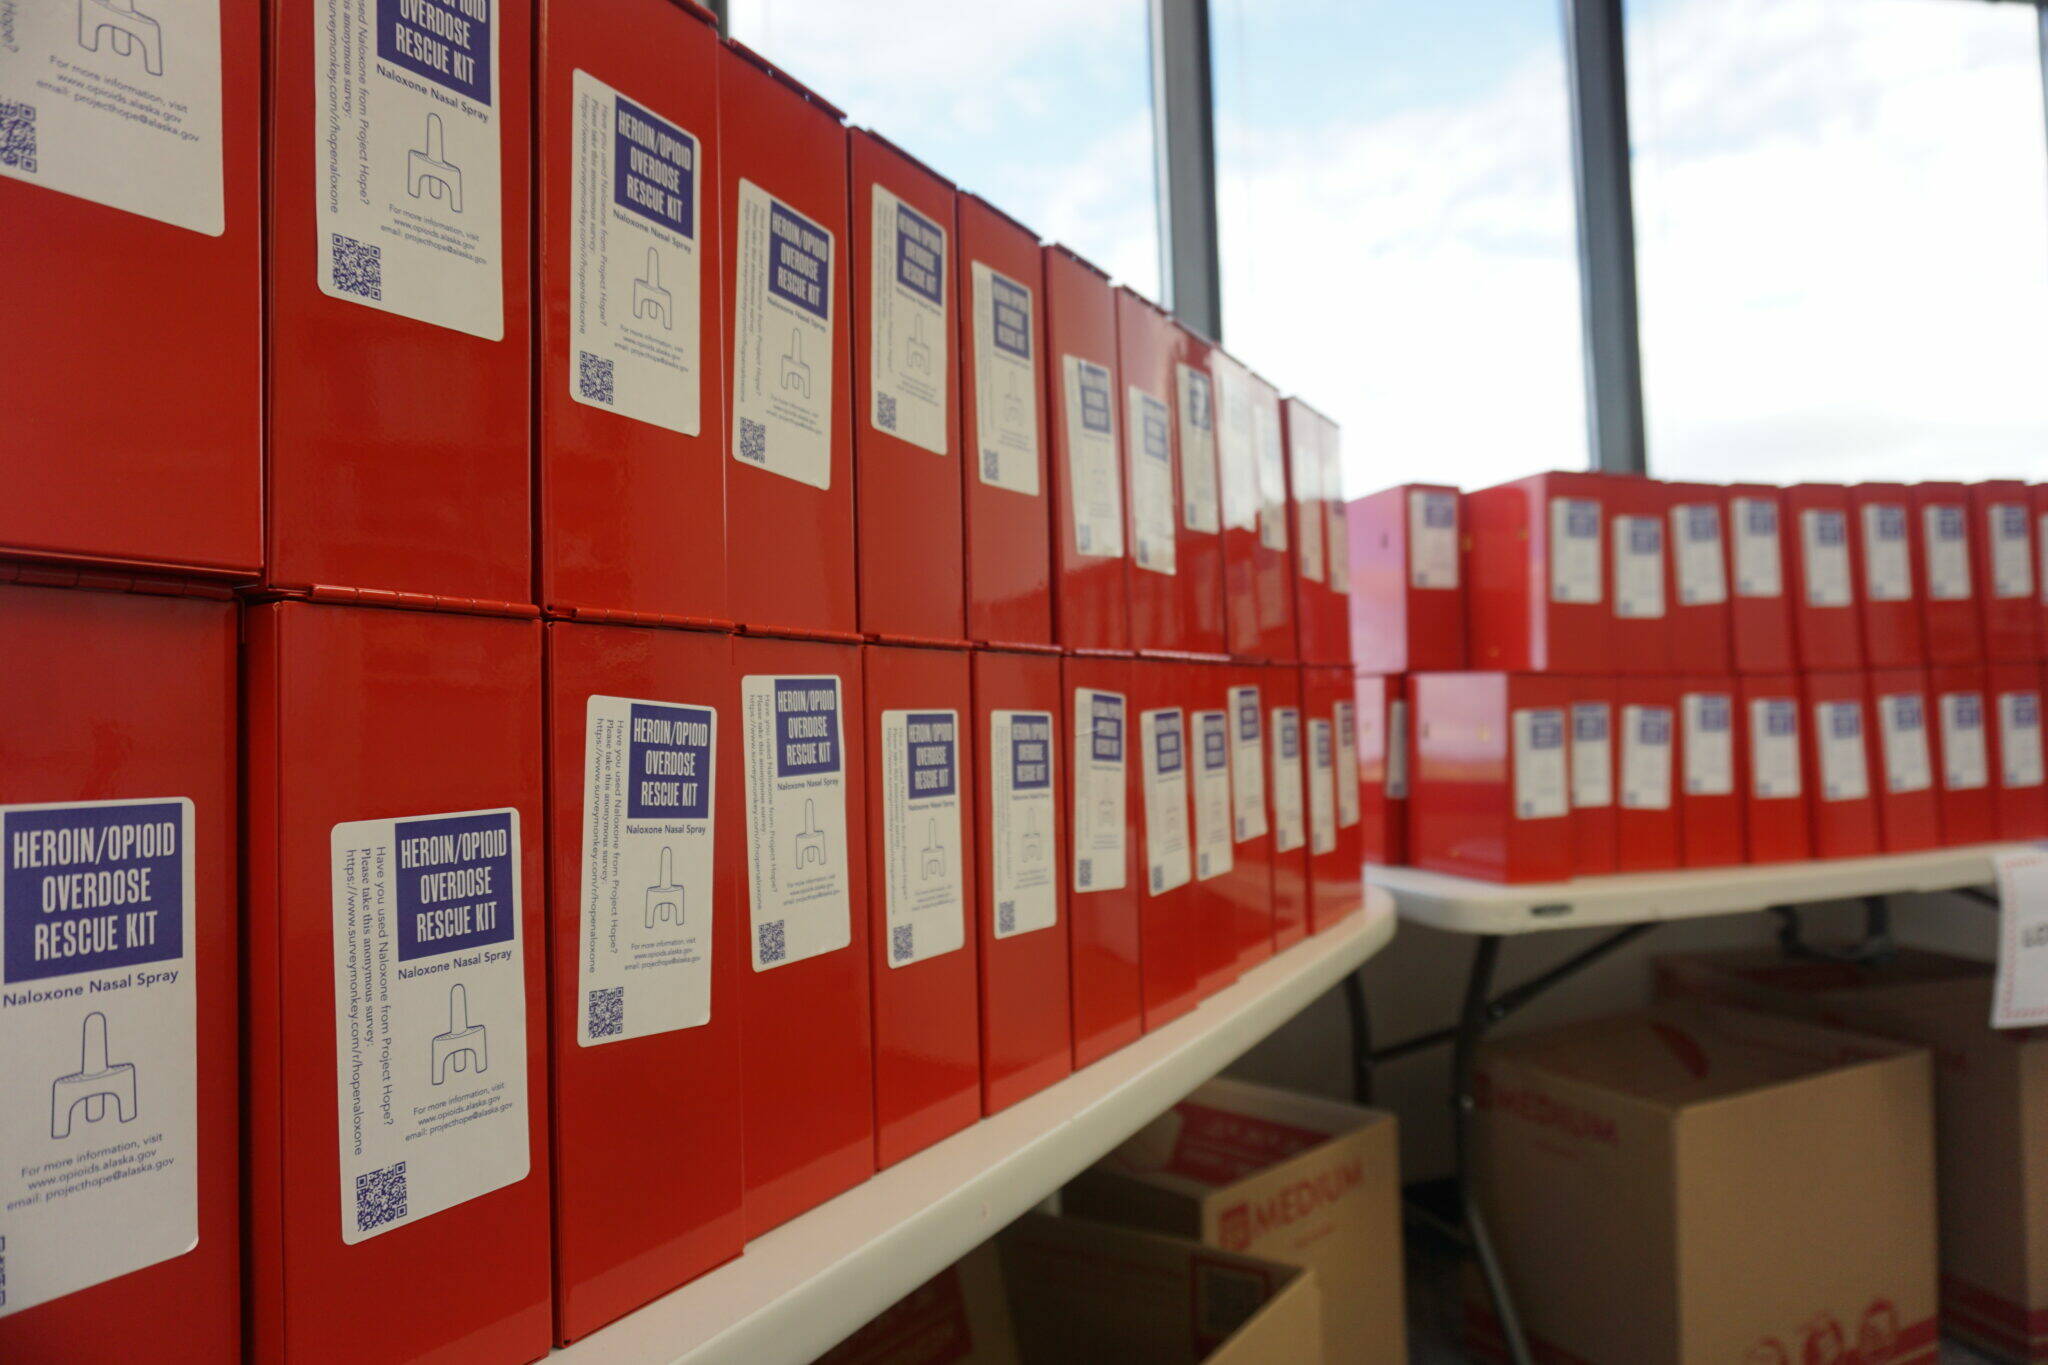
(1084, 538)
(1158, 879)
(1006, 917)
(3, 1272)
(594, 377)
(18, 135)
(885, 411)
(358, 267)
(380, 1197)
(991, 465)
(1084, 873)
(608, 1012)
(900, 941)
(753, 441)
(774, 944)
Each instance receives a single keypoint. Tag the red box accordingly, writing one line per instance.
(83, 725)
(1944, 566)
(1091, 601)
(2038, 494)
(1759, 609)
(1822, 570)
(1200, 538)
(400, 385)
(140, 455)
(1288, 779)
(1172, 923)
(1909, 814)
(1322, 543)
(1336, 864)
(1698, 541)
(1151, 471)
(2007, 595)
(906, 397)
(1250, 882)
(1272, 559)
(1223, 894)
(789, 522)
(372, 730)
(1101, 798)
(1491, 795)
(1027, 1029)
(1711, 767)
(1001, 288)
(1382, 700)
(1593, 754)
(1647, 814)
(1407, 602)
(2015, 706)
(1245, 554)
(805, 1021)
(632, 485)
(1962, 754)
(1838, 766)
(1887, 586)
(1639, 575)
(1536, 582)
(1774, 812)
(644, 791)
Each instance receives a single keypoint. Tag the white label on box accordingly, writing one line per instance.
(1824, 535)
(1709, 744)
(1542, 772)
(2012, 558)
(2020, 995)
(1100, 820)
(1638, 568)
(798, 901)
(406, 159)
(1887, 564)
(1151, 482)
(1198, 496)
(1945, 533)
(1163, 739)
(1272, 471)
(1902, 735)
(1345, 716)
(1696, 543)
(649, 869)
(1005, 381)
(1964, 764)
(782, 368)
(1023, 823)
(1432, 539)
(99, 1043)
(1592, 754)
(1397, 751)
(1322, 787)
(1096, 489)
(1305, 466)
(1248, 763)
(1759, 560)
(1289, 820)
(1336, 528)
(1646, 758)
(1844, 761)
(1774, 748)
(2019, 738)
(429, 1014)
(911, 342)
(1574, 550)
(120, 106)
(1237, 462)
(1213, 853)
(922, 834)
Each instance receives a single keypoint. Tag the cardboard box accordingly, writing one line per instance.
(2007, 595)
(649, 948)
(1952, 620)
(1225, 895)
(1151, 466)
(1091, 601)
(1287, 780)
(1888, 589)
(1646, 819)
(1640, 575)
(1253, 834)
(1322, 542)
(2014, 700)
(1839, 765)
(1593, 756)
(1760, 610)
(805, 1018)
(1408, 598)
(154, 224)
(1171, 923)
(394, 763)
(1962, 754)
(1382, 701)
(789, 520)
(1826, 633)
(1336, 865)
(117, 716)
(1769, 718)
(1097, 728)
(1989, 1127)
(1909, 814)
(1285, 1177)
(906, 397)
(1004, 427)
(1273, 558)
(924, 959)
(1700, 629)
(632, 435)
(1712, 768)
(400, 370)
(1248, 560)
(1669, 1142)
(1492, 786)
(1200, 536)
(1536, 576)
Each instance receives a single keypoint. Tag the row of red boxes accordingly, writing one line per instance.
(1589, 573)
(1524, 777)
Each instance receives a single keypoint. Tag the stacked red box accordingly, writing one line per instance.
(906, 397)
(925, 962)
(117, 716)
(1382, 700)
(2007, 593)
(1200, 534)
(1952, 620)
(1336, 855)
(1237, 467)
(649, 950)
(1027, 1032)
(2039, 499)
(1838, 765)
(1219, 899)
(1593, 755)
(1003, 421)
(789, 495)
(1962, 754)
(1407, 602)
(394, 763)
(1712, 769)
(1822, 572)
(1536, 582)
(1171, 922)
(631, 495)
(1775, 808)
(1759, 609)
(2014, 701)
(1091, 605)
(1887, 589)
(1698, 539)
(1909, 814)
(1152, 483)
(1252, 830)
(1287, 779)
(1097, 726)
(1640, 637)
(1273, 575)
(1491, 789)
(1322, 544)
(145, 453)
(1646, 821)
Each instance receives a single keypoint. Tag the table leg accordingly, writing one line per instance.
(1472, 1026)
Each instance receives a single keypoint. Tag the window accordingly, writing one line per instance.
(1394, 196)
(1842, 237)
(1043, 109)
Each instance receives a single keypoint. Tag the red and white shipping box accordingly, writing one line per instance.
(1491, 793)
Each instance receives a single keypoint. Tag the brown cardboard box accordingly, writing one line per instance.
(1693, 1185)
(1280, 1175)
(1991, 1114)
